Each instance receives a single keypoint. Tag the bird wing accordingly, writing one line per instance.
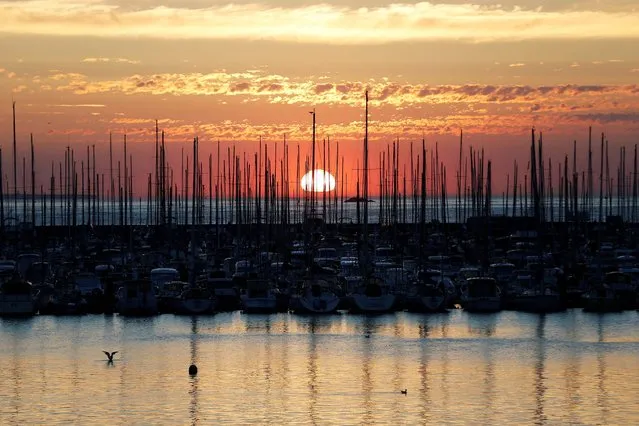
(113, 353)
(107, 354)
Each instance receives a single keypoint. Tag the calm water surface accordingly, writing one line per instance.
(459, 368)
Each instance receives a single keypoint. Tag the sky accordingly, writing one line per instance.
(237, 72)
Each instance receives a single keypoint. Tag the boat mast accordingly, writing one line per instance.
(313, 167)
(365, 183)
(15, 168)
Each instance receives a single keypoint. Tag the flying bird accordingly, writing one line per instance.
(110, 355)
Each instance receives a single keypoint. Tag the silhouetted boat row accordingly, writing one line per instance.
(276, 250)
(279, 282)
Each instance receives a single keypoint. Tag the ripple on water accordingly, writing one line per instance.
(275, 369)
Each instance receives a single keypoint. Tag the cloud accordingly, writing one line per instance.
(114, 60)
(57, 76)
(79, 106)
(607, 118)
(410, 127)
(147, 121)
(321, 23)
(277, 89)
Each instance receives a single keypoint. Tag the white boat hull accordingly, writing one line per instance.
(17, 305)
(196, 306)
(324, 304)
(433, 303)
(373, 304)
(538, 303)
(482, 304)
(138, 306)
(602, 304)
(259, 304)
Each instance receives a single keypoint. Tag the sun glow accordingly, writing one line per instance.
(322, 181)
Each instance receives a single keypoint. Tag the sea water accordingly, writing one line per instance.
(457, 368)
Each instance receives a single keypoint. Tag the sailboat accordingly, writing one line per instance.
(259, 297)
(136, 298)
(481, 294)
(316, 297)
(196, 300)
(429, 293)
(373, 295)
(17, 298)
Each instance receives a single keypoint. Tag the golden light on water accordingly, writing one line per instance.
(318, 181)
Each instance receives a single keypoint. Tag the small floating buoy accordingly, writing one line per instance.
(193, 370)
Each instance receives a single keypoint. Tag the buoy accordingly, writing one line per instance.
(193, 370)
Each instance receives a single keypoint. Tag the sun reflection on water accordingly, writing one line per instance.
(496, 369)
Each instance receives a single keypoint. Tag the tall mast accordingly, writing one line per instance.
(32, 182)
(313, 167)
(155, 199)
(15, 168)
(112, 190)
(365, 179)
(126, 184)
(2, 192)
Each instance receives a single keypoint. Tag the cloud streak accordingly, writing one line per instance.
(114, 60)
(278, 89)
(321, 23)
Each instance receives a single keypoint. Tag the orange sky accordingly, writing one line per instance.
(235, 72)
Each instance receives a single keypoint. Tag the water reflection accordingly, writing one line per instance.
(445, 356)
(399, 361)
(468, 369)
(482, 325)
(424, 330)
(368, 325)
(16, 376)
(602, 390)
(257, 323)
(489, 391)
(539, 381)
(285, 370)
(424, 390)
(268, 363)
(194, 406)
(445, 324)
(312, 370)
(315, 324)
(572, 371)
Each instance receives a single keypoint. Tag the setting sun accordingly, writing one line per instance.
(324, 181)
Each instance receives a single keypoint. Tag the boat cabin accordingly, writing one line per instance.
(482, 287)
(160, 276)
(502, 272)
(349, 267)
(87, 283)
(384, 253)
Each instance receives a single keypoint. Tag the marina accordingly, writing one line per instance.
(277, 247)
(319, 213)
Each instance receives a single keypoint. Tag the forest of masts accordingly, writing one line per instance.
(259, 187)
